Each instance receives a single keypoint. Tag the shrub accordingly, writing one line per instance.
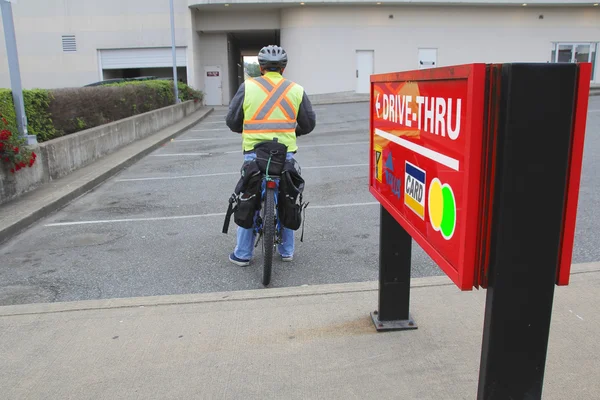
(39, 122)
(188, 93)
(76, 109)
(57, 112)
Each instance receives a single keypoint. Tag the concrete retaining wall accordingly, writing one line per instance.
(61, 156)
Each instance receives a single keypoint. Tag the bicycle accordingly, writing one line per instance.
(270, 232)
(270, 159)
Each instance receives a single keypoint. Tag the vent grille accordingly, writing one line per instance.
(69, 43)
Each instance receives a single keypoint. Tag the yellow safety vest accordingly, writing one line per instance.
(271, 106)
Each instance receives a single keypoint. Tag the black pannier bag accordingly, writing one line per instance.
(246, 197)
(277, 153)
(290, 204)
(248, 203)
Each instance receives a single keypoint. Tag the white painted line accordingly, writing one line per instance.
(336, 166)
(425, 152)
(371, 203)
(161, 178)
(210, 130)
(333, 144)
(205, 139)
(111, 221)
(179, 154)
(314, 145)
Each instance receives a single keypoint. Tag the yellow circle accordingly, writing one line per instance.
(436, 204)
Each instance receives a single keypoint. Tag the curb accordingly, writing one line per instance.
(240, 295)
(27, 221)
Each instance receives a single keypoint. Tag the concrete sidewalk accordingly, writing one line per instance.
(293, 343)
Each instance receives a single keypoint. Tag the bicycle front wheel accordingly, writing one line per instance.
(269, 235)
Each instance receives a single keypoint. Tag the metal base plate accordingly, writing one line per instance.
(396, 325)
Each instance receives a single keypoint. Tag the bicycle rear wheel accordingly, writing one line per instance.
(269, 235)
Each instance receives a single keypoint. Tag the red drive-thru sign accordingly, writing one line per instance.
(430, 164)
(426, 163)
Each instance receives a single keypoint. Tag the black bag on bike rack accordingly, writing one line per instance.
(290, 204)
(248, 202)
(246, 197)
(277, 153)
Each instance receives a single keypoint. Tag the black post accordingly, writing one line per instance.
(534, 139)
(394, 276)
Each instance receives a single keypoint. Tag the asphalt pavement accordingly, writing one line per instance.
(155, 228)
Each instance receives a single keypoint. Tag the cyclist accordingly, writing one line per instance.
(264, 108)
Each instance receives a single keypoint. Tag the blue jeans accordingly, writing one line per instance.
(244, 248)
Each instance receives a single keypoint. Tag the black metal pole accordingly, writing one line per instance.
(534, 139)
(394, 276)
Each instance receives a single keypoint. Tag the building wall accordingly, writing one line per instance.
(221, 21)
(105, 24)
(212, 50)
(461, 35)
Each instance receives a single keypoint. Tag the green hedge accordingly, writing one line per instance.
(36, 102)
(58, 112)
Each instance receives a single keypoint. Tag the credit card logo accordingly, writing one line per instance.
(414, 189)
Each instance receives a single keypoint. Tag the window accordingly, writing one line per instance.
(575, 52)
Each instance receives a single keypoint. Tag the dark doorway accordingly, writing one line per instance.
(245, 45)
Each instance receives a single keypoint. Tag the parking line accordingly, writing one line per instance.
(179, 154)
(336, 166)
(315, 145)
(210, 130)
(175, 217)
(205, 139)
(334, 144)
(160, 178)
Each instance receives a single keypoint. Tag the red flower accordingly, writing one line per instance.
(12, 170)
(33, 154)
(6, 159)
(5, 134)
(1, 146)
(22, 164)
(16, 149)
(18, 167)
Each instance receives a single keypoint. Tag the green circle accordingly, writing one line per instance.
(449, 218)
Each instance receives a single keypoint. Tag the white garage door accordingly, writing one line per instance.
(155, 57)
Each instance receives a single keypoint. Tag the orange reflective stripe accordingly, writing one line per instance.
(269, 125)
(264, 85)
(258, 121)
(274, 100)
(253, 132)
(279, 104)
(266, 100)
(286, 105)
(268, 80)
